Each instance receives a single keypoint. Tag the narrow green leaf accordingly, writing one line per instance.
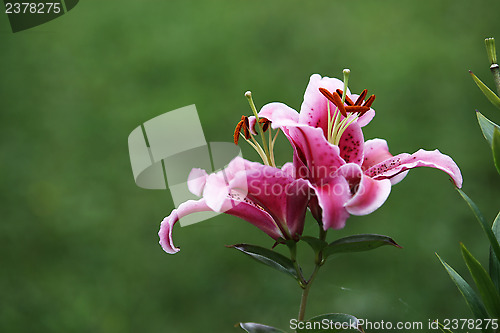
(487, 290)
(468, 293)
(494, 262)
(315, 243)
(268, 257)
(259, 328)
(489, 233)
(487, 127)
(495, 146)
(330, 322)
(492, 97)
(358, 243)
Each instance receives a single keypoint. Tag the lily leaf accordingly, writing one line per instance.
(494, 262)
(489, 233)
(259, 328)
(335, 322)
(486, 288)
(358, 243)
(468, 293)
(315, 243)
(487, 127)
(492, 97)
(268, 257)
(495, 146)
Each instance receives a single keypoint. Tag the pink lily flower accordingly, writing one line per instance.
(267, 197)
(348, 175)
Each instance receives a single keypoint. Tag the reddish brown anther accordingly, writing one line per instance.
(335, 99)
(265, 123)
(354, 107)
(361, 97)
(348, 101)
(242, 125)
(370, 100)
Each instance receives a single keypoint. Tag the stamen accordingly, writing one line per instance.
(265, 123)
(357, 108)
(335, 99)
(370, 100)
(246, 127)
(348, 101)
(361, 97)
(237, 130)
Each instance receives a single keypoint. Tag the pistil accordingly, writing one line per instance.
(350, 112)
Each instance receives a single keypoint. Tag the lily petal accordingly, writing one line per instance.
(320, 158)
(369, 194)
(331, 199)
(351, 144)
(393, 166)
(186, 208)
(276, 192)
(314, 109)
(366, 117)
(196, 181)
(375, 151)
(279, 114)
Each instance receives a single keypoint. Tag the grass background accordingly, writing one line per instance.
(78, 238)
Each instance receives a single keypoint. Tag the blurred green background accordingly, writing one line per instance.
(78, 239)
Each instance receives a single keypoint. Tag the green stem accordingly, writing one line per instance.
(495, 70)
(307, 284)
(305, 293)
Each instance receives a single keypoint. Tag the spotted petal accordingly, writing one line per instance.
(394, 166)
(314, 109)
(351, 144)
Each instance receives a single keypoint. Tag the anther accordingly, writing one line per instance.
(335, 99)
(361, 97)
(242, 124)
(265, 123)
(370, 100)
(348, 101)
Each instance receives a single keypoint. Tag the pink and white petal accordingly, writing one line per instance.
(289, 169)
(331, 199)
(376, 151)
(422, 158)
(369, 196)
(166, 226)
(366, 118)
(321, 158)
(196, 181)
(251, 123)
(314, 109)
(351, 144)
(297, 198)
(279, 114)
(399, 177)
(216, 193)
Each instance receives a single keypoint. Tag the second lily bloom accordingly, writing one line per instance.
(348, 174)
